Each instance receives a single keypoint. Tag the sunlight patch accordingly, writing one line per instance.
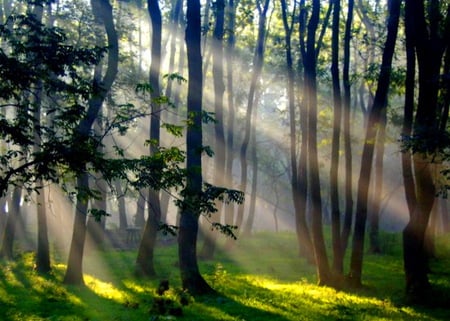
(104, 289)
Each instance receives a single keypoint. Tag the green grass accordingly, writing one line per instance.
(261, 279)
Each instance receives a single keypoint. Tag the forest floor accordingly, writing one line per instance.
(262, 278)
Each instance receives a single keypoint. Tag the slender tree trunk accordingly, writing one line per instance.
(338, 264)
(229, 58)
(374, 218)
(191, 278)
(219, 90)
(144, 261)
(380, 103)
(258, 59)
(348, 215)
(254, 188)
(303, 237)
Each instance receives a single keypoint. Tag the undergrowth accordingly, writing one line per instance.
(262, 278)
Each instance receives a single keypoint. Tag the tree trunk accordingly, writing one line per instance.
(102, 11)
(258, 59)
(299, 198)
(229, 209)
(348, 215)
(427, 31)
(144, 261)
(74, 272)
(310, 65)
(380, 103)
(254, 188)
(191, 278)
(338, 264)
(374, 218)
(123, 222)
(9, 234)
(219, 147)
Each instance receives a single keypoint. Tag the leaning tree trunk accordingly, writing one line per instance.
(102, 11)
(191, 278)
(144, 261)
(380, 103)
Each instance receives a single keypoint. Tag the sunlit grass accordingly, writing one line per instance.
(261, 279)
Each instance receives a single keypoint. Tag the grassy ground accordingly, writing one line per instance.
(262, 279)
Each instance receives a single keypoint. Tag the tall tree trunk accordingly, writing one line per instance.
(310, 65)
(380, 103)
(219, 147)
(258, 59)
(144, 261)
(102, 11)
(229, 210)
(348, 214)
(302, 231)
(338, 264)
(428, 30)
(191, 278)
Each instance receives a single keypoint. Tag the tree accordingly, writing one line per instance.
(379, 104)
(219, 90)
(427, 32)
(310, 65)
(102, 11)
(338, 264)
(187, 236)
(299, 198)
(144, 261)
(258, 59)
